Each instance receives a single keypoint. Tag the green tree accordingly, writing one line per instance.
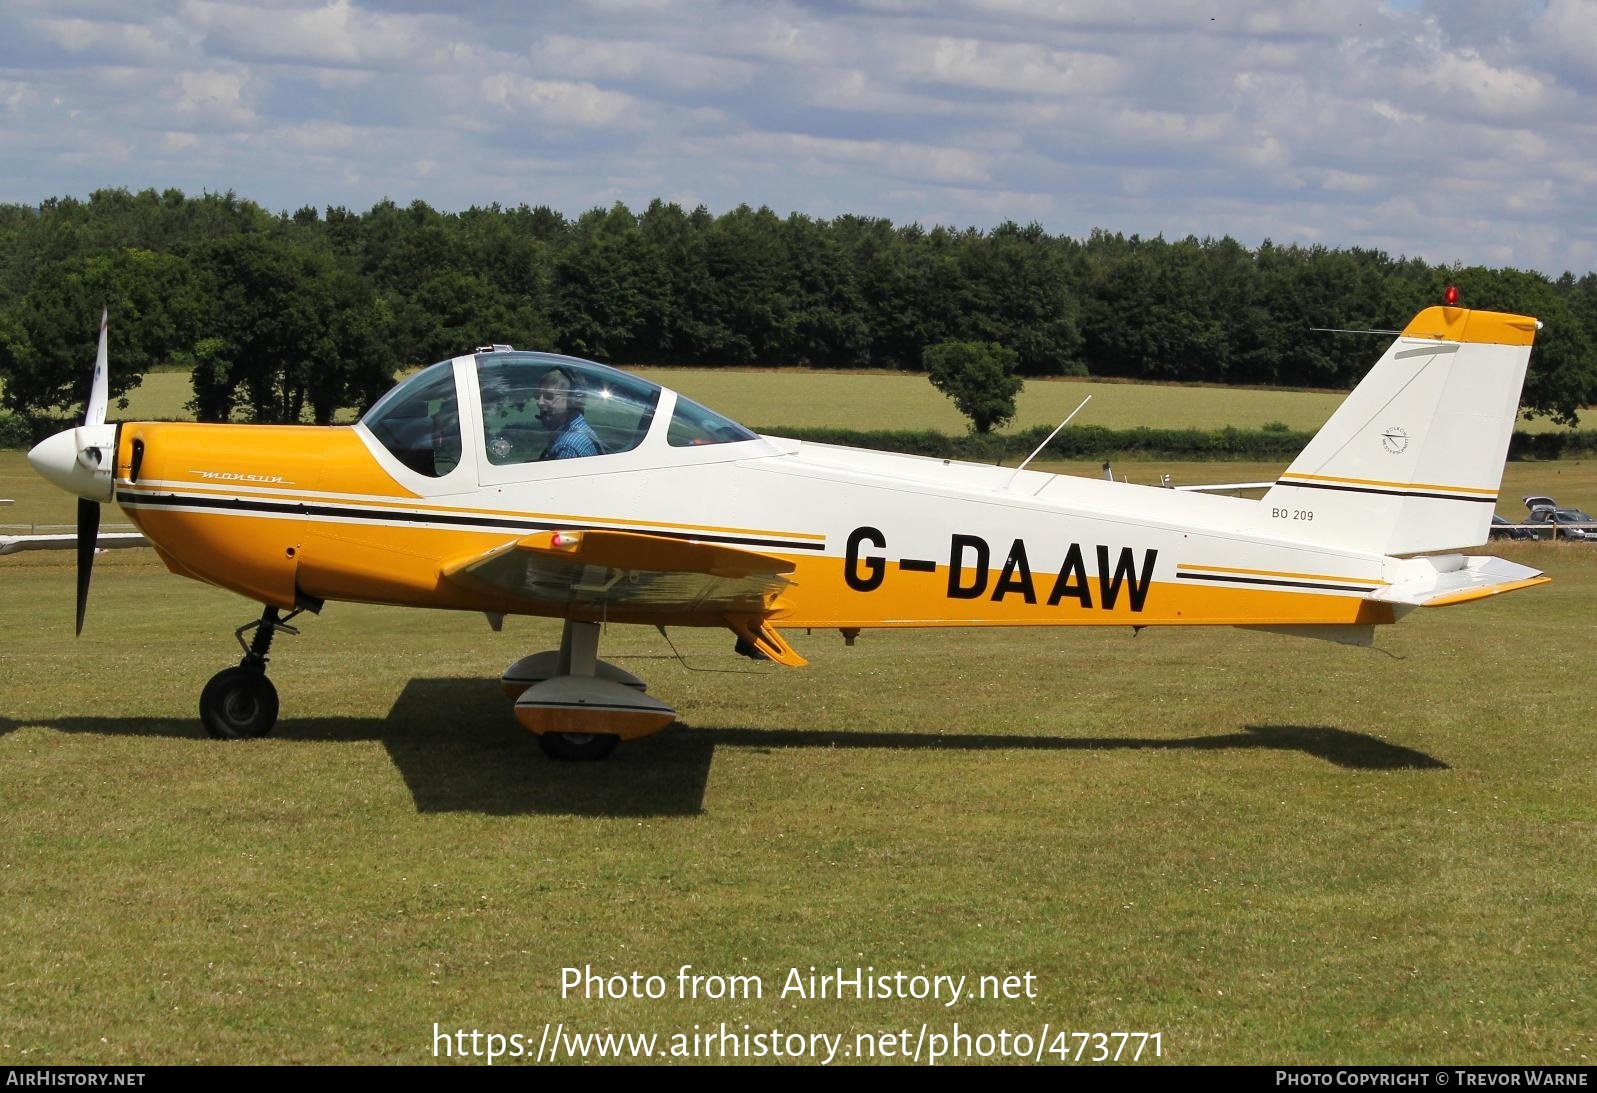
(47, 344)
(1562, 377)
(608, 297)
(292, 331)
(979, 377)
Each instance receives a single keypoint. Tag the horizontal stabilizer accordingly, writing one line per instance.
(1456, 579)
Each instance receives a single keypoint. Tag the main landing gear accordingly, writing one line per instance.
(579, 706)
(241, 703)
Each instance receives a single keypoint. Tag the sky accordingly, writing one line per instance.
(1455, 132)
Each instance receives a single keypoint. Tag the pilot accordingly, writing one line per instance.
(560, 411)
(446, 440)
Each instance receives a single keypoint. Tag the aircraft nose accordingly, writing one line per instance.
(78, 460)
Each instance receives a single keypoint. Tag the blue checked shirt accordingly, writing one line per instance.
(577, 439)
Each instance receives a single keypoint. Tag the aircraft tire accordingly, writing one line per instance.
(238, 704)
(576, 747)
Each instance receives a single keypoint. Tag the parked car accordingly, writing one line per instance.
(1502, 529)
(1559, 517)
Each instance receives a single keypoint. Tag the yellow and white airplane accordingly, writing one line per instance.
(512, 482)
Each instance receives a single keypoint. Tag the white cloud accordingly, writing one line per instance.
(1486, 89)
(961, 205)
(211, 97)
(1346, 182)
(118, 38)
(655, 63)
(1567, 31)
(338, 33)
(821, 157)
(560, 102)
(320, 138)
(17, 96)
(1007, 68)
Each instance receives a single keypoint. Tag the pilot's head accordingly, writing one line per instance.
(559, 399)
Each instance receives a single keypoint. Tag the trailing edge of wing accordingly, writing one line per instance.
(1456, 579)
(578, 569)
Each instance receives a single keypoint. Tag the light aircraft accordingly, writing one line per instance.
(669, 514)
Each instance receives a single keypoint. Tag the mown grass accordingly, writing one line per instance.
(794, 398)
(1266, 850)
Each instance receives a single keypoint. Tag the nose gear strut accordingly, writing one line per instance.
(240, 703)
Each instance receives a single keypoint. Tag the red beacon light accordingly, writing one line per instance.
(1450, 297)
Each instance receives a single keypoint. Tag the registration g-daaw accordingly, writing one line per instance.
(662, 512)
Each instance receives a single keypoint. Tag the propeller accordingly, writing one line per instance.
(79, 460)
(88, 540)
(94, 412)
(89, 511)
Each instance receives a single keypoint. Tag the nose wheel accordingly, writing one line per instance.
(240, 703)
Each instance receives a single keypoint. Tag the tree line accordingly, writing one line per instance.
(288, 316)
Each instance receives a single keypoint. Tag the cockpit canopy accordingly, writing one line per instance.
(534, 407)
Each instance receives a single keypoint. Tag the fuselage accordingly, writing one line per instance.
(286, 514)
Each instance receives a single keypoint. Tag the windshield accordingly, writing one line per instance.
(419, 421)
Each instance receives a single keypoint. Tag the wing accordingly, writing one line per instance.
(643, 578)
(14, 544)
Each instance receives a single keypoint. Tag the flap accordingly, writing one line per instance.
(655, 573)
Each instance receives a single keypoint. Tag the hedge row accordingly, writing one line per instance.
(17, 432)
(1085, 442)
(1578, 442)
(1096, 442)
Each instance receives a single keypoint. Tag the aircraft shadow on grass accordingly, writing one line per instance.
(459, 750)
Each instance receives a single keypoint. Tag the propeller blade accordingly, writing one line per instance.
(88, 509)
(88, 539)
(95, 412)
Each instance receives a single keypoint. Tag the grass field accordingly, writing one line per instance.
(793, 398)
(1265, 850)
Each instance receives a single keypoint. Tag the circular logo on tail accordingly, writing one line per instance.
(1394, 440)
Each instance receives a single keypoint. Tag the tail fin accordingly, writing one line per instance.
(1412, 461)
